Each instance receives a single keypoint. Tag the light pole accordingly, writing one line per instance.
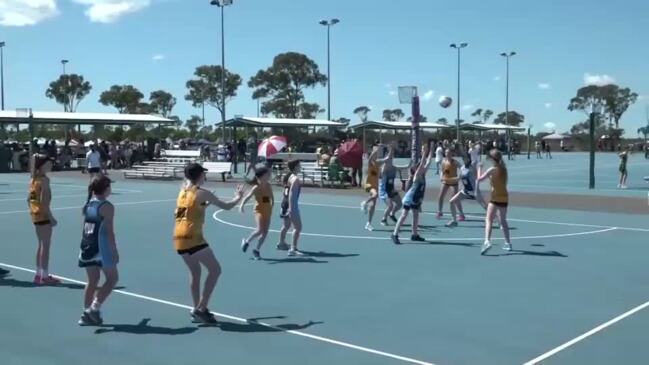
(2, 76)
(222, 4)
(63, 63)
(329, 24)
(591, 168)
(507, 56)
(458, 47)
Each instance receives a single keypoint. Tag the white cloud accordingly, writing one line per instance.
(496, 78)
(598, 80)
(388, 85)
(548, 105)
(392, 92)
(550, 126)
(428, 95)
(20, 13)
(108, 11)
(468, 107)
(158, 57)
(544, 86)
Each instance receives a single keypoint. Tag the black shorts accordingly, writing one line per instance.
(84, 264)
(94, 170)
(412, 206)
(193, 250)
(498, 204)
(43, 223)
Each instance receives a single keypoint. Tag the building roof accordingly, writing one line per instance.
(491, 127)
(555, 137)
(12, 116)
(381, 124)
(280, 122)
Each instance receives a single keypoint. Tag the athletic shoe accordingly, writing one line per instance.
(624, 186)
(203, 316)
(451, 224)
(395, 239)
(364, 207)
(283, 246)
(50, 280)
(417, 238)
(3, 272)
(507, 246)
(89, 320)
(37, 280)
(439, 215)
(384, 222)
(485, 247)
(394, 219)
(256, 255)
(369, 227)
(461, 218)
(293, 252)
(244, 245)
(619, 186)
(95, 317)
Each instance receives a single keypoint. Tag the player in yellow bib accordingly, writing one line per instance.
(449, 180)
(38, 200)
(190, 242)
(264, 202)
(368, 206)
(499, 199)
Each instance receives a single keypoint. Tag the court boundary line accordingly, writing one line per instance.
(587, 334)
(442, 239)
(243, 320)
(80, 206)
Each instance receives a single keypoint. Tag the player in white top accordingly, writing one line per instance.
(439, 156)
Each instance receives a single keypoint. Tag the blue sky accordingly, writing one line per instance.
(379, 44)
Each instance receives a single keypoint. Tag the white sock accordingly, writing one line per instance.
(95, 306)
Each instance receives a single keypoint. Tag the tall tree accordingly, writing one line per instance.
(206, 87)
(126, 98)
(162, 102)
(68, 90)
(283, 83)
(617, 101)
(515, 118)
(482, 115)
(192, 124)
(392, 115)
(362, 112)
(309, 110)
(486, 114)
(442, 121)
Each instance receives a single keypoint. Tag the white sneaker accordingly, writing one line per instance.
(369, 227)
(507, 246)
(244, 245)
(451, 224)
(619, 186)
(293, 252)
(364, 207)
(485, 247)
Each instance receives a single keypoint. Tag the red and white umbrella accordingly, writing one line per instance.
(271, 146)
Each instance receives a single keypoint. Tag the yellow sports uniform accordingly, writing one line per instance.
(372, 181)
(264, 199)
(449, 172)
(499, 194)
(36, 209)
(190, 216)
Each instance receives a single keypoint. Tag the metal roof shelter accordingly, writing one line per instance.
(491, 127)
(13, 117)
(280, 122)
(381, 124)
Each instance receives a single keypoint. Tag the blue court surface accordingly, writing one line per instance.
(573, 291)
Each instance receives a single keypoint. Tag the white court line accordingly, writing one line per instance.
(508, 219)
(593, 331)
(79, 207)
(243, 320)
(560, 235)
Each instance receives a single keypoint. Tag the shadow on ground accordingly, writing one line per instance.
(143, 328)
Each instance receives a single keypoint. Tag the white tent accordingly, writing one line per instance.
(555, 137)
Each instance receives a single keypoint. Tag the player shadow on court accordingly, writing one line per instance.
(143, 328)
(329, 254)
(253, 325)
(432, 242)
(551, 253)
(11, 282)
(293, 260)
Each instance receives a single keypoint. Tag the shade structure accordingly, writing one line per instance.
(39, 117)
(491, 127)
(280, 122)
(555, 137)
(382, 124)
(271, 146)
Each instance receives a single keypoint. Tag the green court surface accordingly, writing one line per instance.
(573, 291)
